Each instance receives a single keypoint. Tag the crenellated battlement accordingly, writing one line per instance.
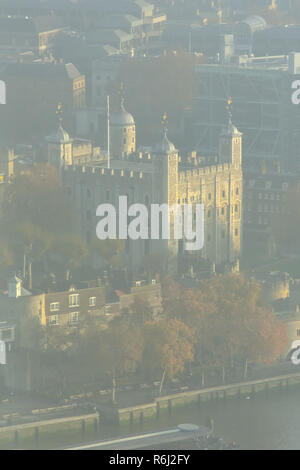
(140, 157)
(204, 171)
(108, 172)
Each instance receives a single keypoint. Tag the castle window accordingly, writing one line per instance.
(223, 193)
(236, 208)
(237, 191)
(209, 196)
(208, 213)
(223, 210)
(236, 232)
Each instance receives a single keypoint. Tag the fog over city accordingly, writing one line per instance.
(149, 227)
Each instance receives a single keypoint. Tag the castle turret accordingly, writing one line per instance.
(230, 144)
(165, 183)
(166, 167)
(122, 131)
(59, 144)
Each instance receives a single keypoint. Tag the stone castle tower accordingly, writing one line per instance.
(165, 181)
(122, 132)
(59, 145)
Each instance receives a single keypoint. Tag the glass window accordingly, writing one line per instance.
(74, 300)
(53, 320)
(73, 317)
(54, 306)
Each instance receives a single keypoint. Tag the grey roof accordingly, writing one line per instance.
(108, 36)
(42, 70)
(255, 22)
(119, 21)
(68, 5)
(230, 130)
(37, 4)
(60, 136)
(25, 24)
(77, 48)
(122, 118)
(165, 146)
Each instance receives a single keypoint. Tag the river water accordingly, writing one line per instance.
(269, 420)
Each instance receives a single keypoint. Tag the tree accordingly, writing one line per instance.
(230, 319)
(111, 251)
(115, 350)
(168, 347)
(58, 358)
(38, 219)
(70, 249)
(139, 312)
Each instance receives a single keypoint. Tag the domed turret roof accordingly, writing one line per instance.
(122, 118)
(230, 130)
(165, 146)
(60, 136)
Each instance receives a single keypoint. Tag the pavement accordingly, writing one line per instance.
(23, 404)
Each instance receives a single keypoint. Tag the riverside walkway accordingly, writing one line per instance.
(93, 421)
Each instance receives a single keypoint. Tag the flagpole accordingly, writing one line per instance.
(108, 134)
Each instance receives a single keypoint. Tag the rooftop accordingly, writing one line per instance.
(42, 69)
